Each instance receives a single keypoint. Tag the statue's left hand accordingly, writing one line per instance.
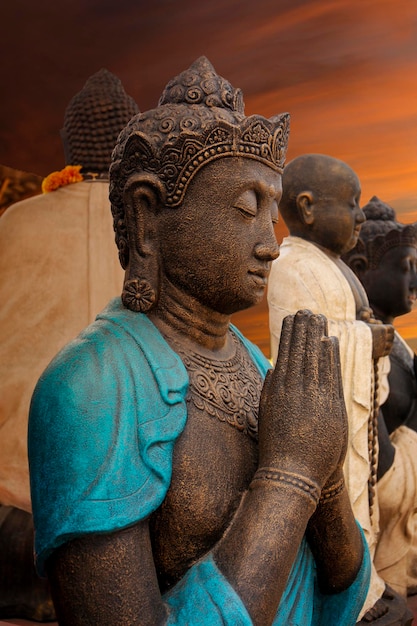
(302, 416)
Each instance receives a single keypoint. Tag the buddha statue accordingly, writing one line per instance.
(320, 206)
(171, 483)
(58, 261)
(58, 268)
(385, 261)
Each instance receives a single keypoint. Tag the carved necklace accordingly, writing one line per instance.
(228, 390)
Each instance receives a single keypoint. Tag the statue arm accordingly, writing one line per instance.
(335, 541)
(106, 579)
(304, 397)
(110, 578)
(270, 523)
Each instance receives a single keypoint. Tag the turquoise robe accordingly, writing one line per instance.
(104, 419)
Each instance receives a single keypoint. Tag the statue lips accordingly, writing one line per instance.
(355, 236)
(260, 276)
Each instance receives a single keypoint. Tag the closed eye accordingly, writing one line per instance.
(247, 204)
(247, 214)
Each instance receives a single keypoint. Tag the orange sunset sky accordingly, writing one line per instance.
(346, 70)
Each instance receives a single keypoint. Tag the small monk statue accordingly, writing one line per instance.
(170, 483)
(320, 206)
(385, 261)
(58, 269)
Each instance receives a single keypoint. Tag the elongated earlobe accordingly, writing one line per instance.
(143, 196)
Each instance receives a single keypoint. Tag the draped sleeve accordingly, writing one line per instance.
(103, 422)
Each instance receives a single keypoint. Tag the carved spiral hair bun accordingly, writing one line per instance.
(93, 120)
(378, 210)
(200, 84)
(379, 233)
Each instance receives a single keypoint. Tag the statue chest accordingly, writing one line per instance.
(213, 464)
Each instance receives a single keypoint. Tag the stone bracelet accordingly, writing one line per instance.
(330, 493)
(271, 475)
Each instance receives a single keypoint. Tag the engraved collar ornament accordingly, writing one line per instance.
(228, 390)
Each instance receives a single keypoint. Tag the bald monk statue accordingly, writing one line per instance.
(385, 261)
(187, 490)
(58, 268)
(320, 206)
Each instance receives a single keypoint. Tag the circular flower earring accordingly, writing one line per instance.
(138, 295)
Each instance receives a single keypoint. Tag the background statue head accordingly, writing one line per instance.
(199, 120)
(384, 259)
(320, 202)
(93, 120)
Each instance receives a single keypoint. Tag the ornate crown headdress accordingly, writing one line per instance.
(200, 118)
(380, 233)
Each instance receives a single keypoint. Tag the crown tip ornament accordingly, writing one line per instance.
(376, 209)
(201, 85)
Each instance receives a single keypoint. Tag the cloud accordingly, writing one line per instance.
(344, 69)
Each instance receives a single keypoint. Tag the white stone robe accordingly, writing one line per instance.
(396, 552)
(304, 277)
(58, 268)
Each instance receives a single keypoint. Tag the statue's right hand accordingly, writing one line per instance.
(302, 415)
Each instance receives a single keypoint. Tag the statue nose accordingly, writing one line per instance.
(360, 216)
(267, 252)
